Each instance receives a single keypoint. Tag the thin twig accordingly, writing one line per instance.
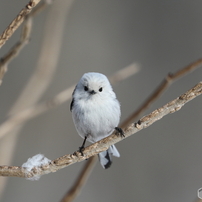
(24, 39)
(8, 32)
(33, 111)
(82, 178)
(161, 88)
(15, 50)
(104, 144)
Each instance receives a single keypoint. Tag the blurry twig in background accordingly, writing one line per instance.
(41, 78)
(198, 200)
(25, 36)
(40, 8)
(64, 161)
(80, 181)
(8, 32)
(124, 73)
(161, 88)
(26, 114)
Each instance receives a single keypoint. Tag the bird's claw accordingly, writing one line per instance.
(81, 149)
(120, 131)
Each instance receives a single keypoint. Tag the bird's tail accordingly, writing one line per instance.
(105, 157)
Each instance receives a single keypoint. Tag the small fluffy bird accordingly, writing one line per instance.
(96, 112)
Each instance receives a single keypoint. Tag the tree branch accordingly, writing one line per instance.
(161, 88)
(8, 32)
(104, 144)
(24, 39)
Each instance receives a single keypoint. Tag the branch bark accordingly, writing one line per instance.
(103, 144)
(8, 32)
(24, 39)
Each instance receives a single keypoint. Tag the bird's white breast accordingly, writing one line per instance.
(96, 118)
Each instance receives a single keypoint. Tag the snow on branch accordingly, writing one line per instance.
(40, 165)
(35, 161)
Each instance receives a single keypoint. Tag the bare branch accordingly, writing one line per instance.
(25, 35)
(8, 32)
(104, 144)
(24, 39)
(31, 112)
(161, 88)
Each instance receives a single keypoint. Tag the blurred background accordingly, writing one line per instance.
(162, 162)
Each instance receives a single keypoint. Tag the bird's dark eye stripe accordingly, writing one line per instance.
(100, 89)
(85, 88)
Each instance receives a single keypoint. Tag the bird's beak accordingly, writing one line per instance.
(92, 92)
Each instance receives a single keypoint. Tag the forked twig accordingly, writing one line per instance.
(161, 88)
(8, 32)
(24, 39)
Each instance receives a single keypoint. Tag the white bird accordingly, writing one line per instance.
(96, 112)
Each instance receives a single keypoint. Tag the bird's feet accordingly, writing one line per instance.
(81, 149)
(120, 131)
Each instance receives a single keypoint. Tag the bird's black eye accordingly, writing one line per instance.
(85, 88)
(100, 89)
